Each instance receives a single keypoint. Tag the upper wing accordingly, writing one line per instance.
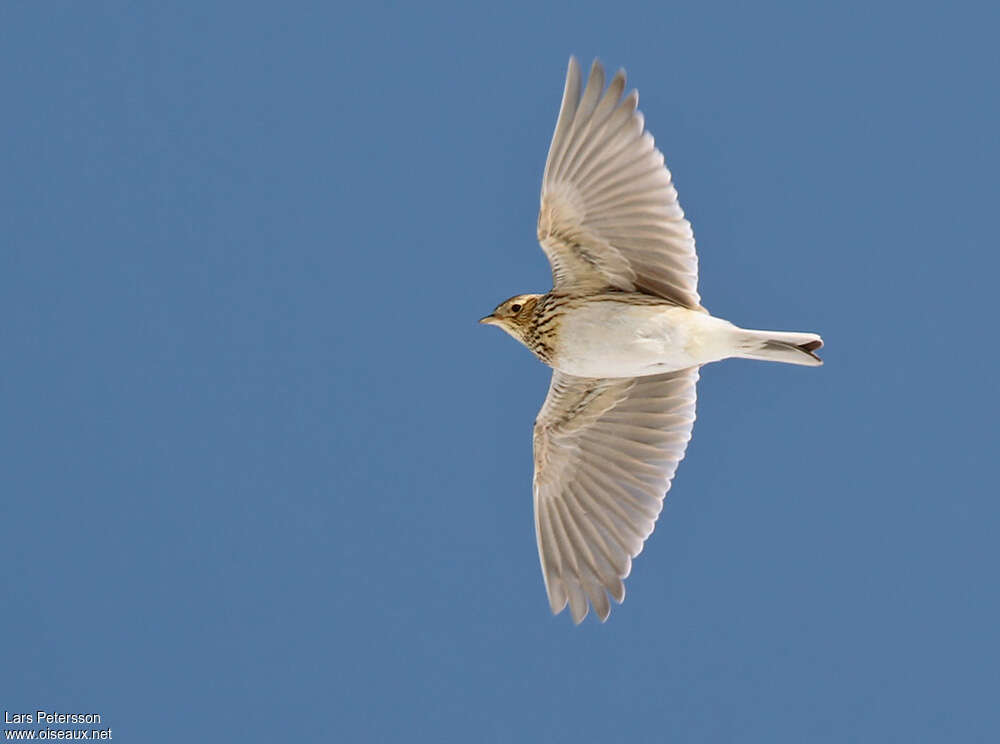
(605, 453)
(609, 213)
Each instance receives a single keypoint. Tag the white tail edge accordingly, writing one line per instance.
(780, 346)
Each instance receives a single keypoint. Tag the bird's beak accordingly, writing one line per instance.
(488, 320)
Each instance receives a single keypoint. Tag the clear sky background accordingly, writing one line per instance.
(264, 478)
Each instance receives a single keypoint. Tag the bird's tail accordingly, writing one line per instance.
(779, 346)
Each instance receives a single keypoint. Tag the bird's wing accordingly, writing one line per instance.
(609, 212)
(605, 453)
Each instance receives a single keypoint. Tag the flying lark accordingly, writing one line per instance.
(625, 332)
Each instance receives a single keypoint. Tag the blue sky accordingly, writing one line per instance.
(265, 478)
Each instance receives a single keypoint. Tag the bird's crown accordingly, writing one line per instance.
(514, 315)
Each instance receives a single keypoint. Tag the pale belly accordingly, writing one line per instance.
(608, 338)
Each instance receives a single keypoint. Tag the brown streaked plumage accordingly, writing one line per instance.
(625, 332)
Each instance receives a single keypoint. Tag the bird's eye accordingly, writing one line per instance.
(515, 308)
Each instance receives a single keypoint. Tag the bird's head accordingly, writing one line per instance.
(514, 315)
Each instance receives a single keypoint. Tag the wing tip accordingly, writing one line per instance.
(578, 614)
(572, 69)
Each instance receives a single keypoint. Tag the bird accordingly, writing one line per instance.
(625, 333)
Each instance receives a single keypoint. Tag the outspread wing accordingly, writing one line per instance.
(609, 214)
(605, 453)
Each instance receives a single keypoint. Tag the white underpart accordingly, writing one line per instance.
(615, 339)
